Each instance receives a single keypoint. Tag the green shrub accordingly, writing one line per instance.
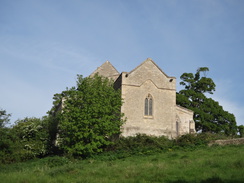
(140, 144)
(189, 140)
(196, 140)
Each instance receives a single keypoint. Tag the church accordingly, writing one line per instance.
(149, 101)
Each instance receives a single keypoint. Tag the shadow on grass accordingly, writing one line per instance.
(209, 180)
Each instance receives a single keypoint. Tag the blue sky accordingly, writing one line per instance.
(45, 44)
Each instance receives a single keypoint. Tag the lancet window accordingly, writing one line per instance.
(148, 111)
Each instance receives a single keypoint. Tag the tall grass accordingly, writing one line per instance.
(206, 164)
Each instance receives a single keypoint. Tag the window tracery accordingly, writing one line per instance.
(148, 110)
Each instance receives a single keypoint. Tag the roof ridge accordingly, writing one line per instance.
(111, 72)
(110, 65)
(150, 60)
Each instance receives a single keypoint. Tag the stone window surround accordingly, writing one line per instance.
(148, 106)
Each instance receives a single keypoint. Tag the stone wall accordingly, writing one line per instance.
(148, 79)
(184, 119)
(237, 141)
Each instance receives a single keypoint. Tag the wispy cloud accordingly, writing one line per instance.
(44, 44)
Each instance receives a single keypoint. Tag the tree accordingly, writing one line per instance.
(4, 118)
(208, 114)
(6, 142)
(89, 116)
(27, 139)
(241, 130)
(32, 137)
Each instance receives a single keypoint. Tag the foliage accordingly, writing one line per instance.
(6, 138)
(51, 122)
(140, 144)
(4, 118)
(241, 130)
(8, 143)
(209, 116)
(197, 140)
(89, 116)
(27, 139)
(32, 134)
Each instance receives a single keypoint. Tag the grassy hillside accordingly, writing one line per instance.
(207, 164)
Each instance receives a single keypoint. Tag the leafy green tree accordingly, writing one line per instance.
(241, 130)
(4, 118)
(27, 139)
(33, 137)
(89, 115)
(6, 143)
(208, 114)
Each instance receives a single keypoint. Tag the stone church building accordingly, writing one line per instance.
(149, 101)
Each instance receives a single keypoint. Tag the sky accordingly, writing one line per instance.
(44, 45)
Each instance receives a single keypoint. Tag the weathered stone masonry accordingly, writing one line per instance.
(149, 97)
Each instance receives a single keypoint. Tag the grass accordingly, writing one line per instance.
(210, 164)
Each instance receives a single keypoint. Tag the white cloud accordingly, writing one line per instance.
(44, 45)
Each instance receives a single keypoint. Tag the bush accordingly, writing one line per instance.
(27, 139)
(195, 140)
(140, 144)
(32, 139)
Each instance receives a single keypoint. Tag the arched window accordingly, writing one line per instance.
(148, 111)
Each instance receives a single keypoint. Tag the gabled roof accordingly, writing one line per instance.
(106, 70)
(150, 60)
